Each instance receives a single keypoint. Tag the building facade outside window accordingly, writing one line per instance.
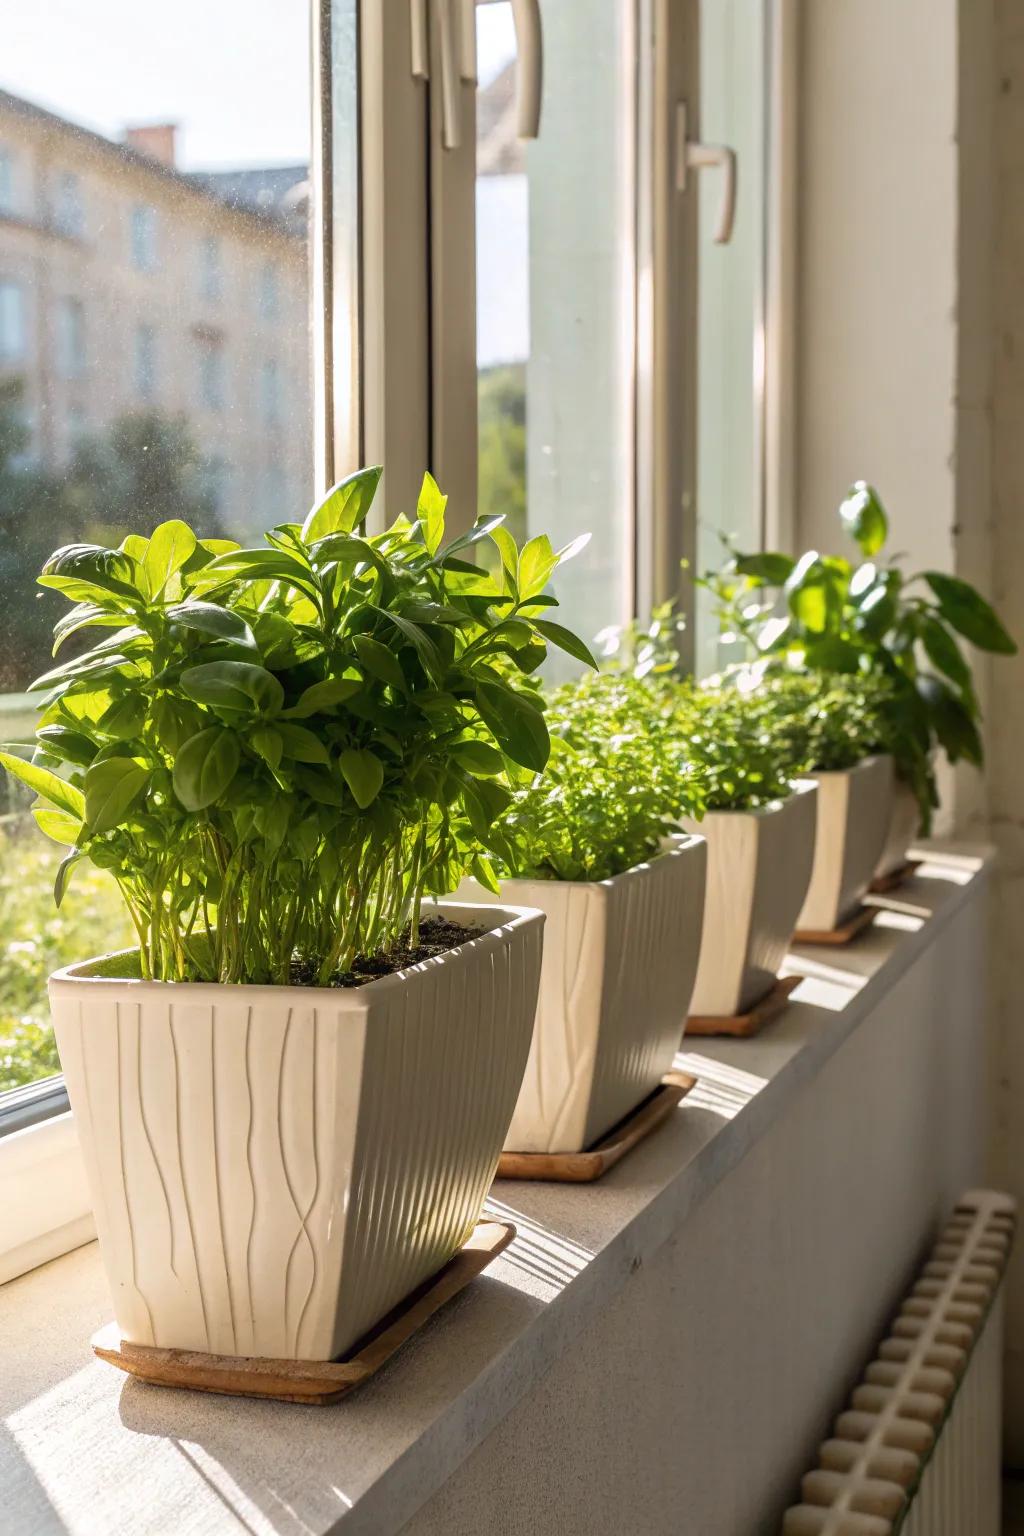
(71, 338)
(211, 274)
(143, 237)
(145, 363)
(211, 373)
(12, 322)
(68, 210)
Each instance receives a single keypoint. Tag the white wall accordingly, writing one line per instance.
(877, 273)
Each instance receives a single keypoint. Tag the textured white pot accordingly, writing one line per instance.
(904, 825)
(274, 1168)
(759, 869)
(620, 957)
(854, 806)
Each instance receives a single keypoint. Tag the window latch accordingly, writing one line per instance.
(692, 155)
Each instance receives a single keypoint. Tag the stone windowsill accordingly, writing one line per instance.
(83, 1449)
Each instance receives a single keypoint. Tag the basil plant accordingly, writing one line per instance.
(827, 614)
(278, 751)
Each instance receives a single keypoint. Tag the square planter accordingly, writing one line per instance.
(274, 1168)
(759, 869)
(854, 806)
(620, 957)
(904, 825)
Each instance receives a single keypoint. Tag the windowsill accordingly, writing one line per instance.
(84, 1449)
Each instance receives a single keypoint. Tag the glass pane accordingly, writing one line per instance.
(154, 352)
(556, 297)
(731, 278)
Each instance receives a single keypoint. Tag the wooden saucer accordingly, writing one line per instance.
(845, 934)
(585, 1167)
(755, 1018)
(885, 884)
(309, 1381)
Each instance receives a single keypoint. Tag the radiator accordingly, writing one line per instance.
(917, 1451)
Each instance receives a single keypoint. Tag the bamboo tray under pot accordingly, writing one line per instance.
(620, 957)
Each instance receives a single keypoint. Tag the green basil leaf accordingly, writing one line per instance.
(379, 661)
(565, 640)
(969, 614)
(364, 775)
(64, 871)
(478, 758)
(268, 743)
(516, 723)
(72, 746)
(233, 685)
(345, 506)
(205, 767)
(943, 652)
(301, 745)
(59, 793)
(864, 518)
(537, 560)
(773, 569)
(171, 546)
(319, 697)
(111, 789)
(211, 619)
(59, 826)
(430, 510)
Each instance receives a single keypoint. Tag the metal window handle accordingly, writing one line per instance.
(529, 66)
(457, 31)
(692, 155)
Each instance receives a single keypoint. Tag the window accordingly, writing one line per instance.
(12, 322)
(556, 316)
(211, 373)
(71, 338)
(145, 362)
(68, 213)
(143, 238)
(270, 391)
(269, 292)
(210, 273)
(6, 181)
(135, 449)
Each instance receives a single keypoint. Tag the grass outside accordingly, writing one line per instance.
(36, 939)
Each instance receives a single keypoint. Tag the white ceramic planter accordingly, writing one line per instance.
(274, 1168)
(904, 825)
(759, 869)
(620, 957)
(854, 806)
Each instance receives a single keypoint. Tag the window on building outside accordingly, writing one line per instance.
(68, 211)
(136, 451)
(211, 276)
(6, 181)
(211, 373)
(71, 338)
(270, 391)
(269, 293)
(143, 238)
(145, 362)
(12, 322)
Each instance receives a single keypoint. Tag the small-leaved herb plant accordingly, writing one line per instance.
(730, 733)
(832, 616)
(617, 781)
(277, 751)
(819, 723)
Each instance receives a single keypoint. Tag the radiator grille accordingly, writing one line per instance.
(917, 1449)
